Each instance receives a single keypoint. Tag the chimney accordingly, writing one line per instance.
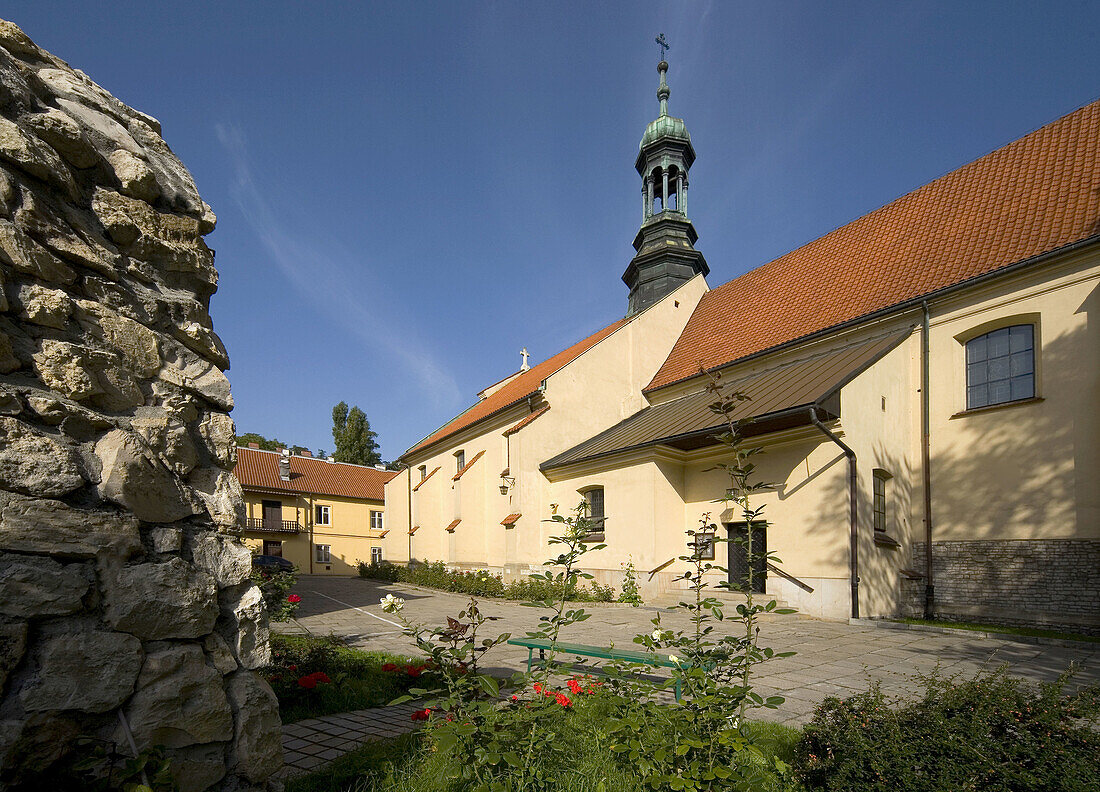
(254, 445)
(379, 467)
(284, 464)
(306, 453)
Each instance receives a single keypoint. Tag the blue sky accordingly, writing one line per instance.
(408, 193)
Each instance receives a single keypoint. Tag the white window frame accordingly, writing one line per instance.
(322, 515)
(380, 517)
(323, 553)
(376, 555)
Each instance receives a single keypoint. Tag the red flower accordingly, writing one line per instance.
(292, 668)
(413, 671)
(574, 686)
(389, 666)
(320, 676)
(421, 715)
(515, 698)
(308, 682)
(564, 700)
(294, 598)
(538, 687)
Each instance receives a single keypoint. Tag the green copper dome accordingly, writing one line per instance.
(664, 127)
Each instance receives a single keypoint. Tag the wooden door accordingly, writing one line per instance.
(273, 548)
(273, 515)
(739, 560)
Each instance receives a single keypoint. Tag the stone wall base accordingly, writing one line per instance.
(1049, 583)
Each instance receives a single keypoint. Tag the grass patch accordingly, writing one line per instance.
(357, 680)
(1035, 632)
(406, 764)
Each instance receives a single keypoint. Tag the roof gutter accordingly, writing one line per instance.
(901, 307)
(853, 508)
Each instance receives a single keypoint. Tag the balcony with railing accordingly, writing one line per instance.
(272, 526)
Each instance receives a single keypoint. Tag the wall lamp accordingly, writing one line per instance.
(506, 483)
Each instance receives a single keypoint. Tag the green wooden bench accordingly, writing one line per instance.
(584, 650)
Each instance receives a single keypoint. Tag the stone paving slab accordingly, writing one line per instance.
(833, 658)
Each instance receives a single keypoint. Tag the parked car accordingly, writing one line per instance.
(276, 563)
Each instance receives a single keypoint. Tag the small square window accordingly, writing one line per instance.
(376, 520)
(324, 554)
(323, 516)
(376, 555)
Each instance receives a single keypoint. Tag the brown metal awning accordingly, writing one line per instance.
(778, 399)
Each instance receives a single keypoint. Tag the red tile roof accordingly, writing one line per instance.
(467, 466)
(511, 519)
(453, 525)
(424, 480)
(1035, 195)
(527, 420)
(260, 470)
(515, 391)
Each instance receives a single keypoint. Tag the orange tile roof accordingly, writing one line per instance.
(424, 480)
(453, 525)
(260, 470)
(1035, 195)
(515, 391)
(467, 466)
(527, 420)
(511, 519)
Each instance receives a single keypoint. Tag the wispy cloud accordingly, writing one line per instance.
(326, 276)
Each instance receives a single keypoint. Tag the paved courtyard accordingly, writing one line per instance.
(833, 658)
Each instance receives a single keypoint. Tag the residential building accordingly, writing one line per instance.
(322, 515)
(924, 383)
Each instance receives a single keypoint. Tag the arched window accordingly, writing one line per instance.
(593, 507)
(1000, 366)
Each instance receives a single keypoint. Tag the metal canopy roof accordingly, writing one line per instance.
(778, 399)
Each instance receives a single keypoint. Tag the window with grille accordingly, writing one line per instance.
(1000, 366)
(878, 507)
(593, 507)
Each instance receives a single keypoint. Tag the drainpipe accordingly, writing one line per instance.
(409, 488)
(853, 518)
(926, 468)
(309, 522)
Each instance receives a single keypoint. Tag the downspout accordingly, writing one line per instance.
(309, 522)
(926, 467)
(854, 511)
(409, 488)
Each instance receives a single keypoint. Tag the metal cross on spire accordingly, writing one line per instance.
(662, 42)
(525, 353)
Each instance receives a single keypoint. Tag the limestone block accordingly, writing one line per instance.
(218, 654)
(208, 221)
(35, 740)
(258, 750)
(169, 438)
(22, 253)
(55, 411)
(224, 558)
(137, 344)
(33, 587)
(49, 223)
(161, 600)
(46, 307)
(32, 156)
(244, 625)
(82, 373)
(220, 436)
(35, 463)
(29, 525)
(203, 341)
(133, 479)
(220, 493)
(179, 700)
(98, 113)
(166, 539)
(89, 671)
(174, 180)
(135, 176)
(9, 403)
(15, 41)
(13, 642)
(64, 136)
(8, 361)
(187, 370)
(196, 768)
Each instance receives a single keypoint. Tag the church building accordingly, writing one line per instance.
(924, 384)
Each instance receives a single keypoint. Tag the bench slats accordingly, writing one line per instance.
(584, 650)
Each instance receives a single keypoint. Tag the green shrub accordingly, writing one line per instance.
(275, 585)
(992, 733)
(479, 583)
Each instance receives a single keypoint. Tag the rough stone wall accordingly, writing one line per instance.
(1035, 582)
(122, 588)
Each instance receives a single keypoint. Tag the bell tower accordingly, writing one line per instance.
(665, 254)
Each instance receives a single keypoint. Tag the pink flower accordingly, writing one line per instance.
(294, 598)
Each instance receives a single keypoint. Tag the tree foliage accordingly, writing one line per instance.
(274, 444)
(353, 436)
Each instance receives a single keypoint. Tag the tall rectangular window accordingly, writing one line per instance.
(1000, 366)
(460, 460)
(376, 555)
(376, 520)
(323, 516)
(324, 554)
(593, 506)
(878, 507)
(423, 472)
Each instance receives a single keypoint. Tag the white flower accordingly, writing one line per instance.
(392, 604)
(674, 659)
(658, 634)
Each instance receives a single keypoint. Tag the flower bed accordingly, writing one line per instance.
(480, 583)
